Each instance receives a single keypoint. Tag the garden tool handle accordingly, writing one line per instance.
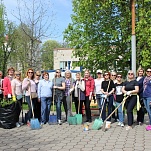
(102, 107)
(115, 109)
(79, 101)
(31, 102)
(53, 97)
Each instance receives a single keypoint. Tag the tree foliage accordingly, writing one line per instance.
(47, 54)
(100, 33)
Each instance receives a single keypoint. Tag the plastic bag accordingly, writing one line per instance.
(8, 115)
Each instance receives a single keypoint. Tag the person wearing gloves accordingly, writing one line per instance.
(130, 88)
(98, 92)
(29, 86)
(7, 83)
(69, 87)
(45, 97)
(17, 94)
(79, 92)
(58, 90)
(89, 89)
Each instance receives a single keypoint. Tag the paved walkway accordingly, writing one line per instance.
(73, 138)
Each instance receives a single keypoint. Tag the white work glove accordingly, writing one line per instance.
(9, 96)
(71, 90)
(128, 93)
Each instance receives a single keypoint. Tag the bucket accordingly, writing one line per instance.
(108, 124)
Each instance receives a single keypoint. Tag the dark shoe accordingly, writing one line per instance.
(90, 121)
(86, 121)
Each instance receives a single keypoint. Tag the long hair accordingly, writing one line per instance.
(56, 74)
(139, 70)
(68, 71)
(33, 76)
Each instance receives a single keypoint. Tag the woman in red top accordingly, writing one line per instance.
(89, 88)
(7, 83)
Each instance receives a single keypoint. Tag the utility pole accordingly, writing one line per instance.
(133, 39)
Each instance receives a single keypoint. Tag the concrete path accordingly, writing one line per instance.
(73, 138)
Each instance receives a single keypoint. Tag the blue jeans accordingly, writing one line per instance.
(147, 106)
(29, 113)
(99, 100)
(120, 113)
(58, 107)
(45, 108)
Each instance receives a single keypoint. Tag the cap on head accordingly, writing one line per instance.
(99, 71)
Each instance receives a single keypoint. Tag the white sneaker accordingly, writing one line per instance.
(17, 124)
(119, 124)
(122, 125)
(59, 122)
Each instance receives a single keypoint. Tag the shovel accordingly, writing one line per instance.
(53, 118)
(79, 116)
(104, 124)
(99, 122)
(72, 120)
(34, 122)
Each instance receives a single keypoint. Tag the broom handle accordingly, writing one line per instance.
(115, 109)
(31, 103)
(79, 101)
(102, 107)
(53, 97)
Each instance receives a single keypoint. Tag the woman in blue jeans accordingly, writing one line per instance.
(59, 87)
(107, 88)
(119, 99)
(45, 97)
(147, 93)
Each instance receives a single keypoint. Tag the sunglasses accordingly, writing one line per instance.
(114, 75)
(119, 76)
(30, 72)
(130, 74)
(38, 75)
(99, 73)
(106, 74)
(57, 72)
(148, 71)
(17, 74)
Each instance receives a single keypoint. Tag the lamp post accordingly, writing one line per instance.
(133, 39)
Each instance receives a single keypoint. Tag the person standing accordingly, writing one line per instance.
(98, 92)
(79, 92)
(89, 89)
(38, 102)
(7, 83)
(130, 88)
(119, 99)
(16, 86)
(59, 87)
(147, 93)
(107, 88)
(140, 79)
(45, 97)
(1, 85)
(69, 88)
(29, 86)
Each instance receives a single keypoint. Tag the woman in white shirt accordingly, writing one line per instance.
(17, 94)
(98, 92)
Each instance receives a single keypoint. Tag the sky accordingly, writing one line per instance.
(61, 8)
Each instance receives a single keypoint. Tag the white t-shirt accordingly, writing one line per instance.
(98, 83)
(18, 86)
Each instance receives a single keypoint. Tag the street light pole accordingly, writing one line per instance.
(133, 40)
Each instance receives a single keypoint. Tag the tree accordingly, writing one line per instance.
(100, 33)
(34, 14)
(47, 54)
(6, 39)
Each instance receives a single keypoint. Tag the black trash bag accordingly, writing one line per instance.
(8, 115)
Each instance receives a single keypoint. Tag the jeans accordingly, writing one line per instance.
(147, 106)
(58, 108)
(120, 113)
(45, 108)
(29, 113)
(99, 100)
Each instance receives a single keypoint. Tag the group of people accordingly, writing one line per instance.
(108, 88)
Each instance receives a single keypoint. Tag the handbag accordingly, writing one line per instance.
(34, 95)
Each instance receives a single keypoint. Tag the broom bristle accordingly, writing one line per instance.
(34, 124)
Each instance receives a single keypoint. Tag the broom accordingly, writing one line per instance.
(34, 122)
(79, 116)
(53, 118)
(104, 124)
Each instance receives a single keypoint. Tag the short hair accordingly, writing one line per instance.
(38, 73)
(32, 71)
(133, 75)
(17, 72)
(11, 68)
(68, 71)
(45, 73)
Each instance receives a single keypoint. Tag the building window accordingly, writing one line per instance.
(63, 65)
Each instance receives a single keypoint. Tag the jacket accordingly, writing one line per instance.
(7, 86)
(89, 86)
